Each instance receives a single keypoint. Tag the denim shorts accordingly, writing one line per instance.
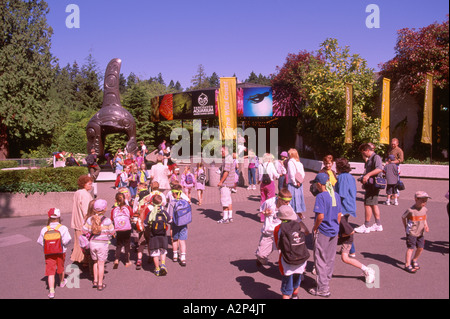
(179, 232)
(290, 283)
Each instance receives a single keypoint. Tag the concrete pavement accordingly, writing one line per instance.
(221, 262)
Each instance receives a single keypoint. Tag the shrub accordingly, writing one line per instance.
(8, 164)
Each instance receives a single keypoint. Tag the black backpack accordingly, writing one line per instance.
(158, 227)
(292, 243)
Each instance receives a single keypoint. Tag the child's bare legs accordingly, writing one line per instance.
(200, 196)
(350, 261)
(409, 253)
(99, 271)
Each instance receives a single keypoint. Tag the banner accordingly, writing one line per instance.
(427, 129)
(227, 108)
(385, 112)
(258, 102)
(182, 106)
(203, 103)
(348, 113)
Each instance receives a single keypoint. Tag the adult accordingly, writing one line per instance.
(281, 166)
(267, 175)
(252, 165)
(294, 177)
(94, 168)
(162, 147)
(395, 150)
(372, 169)
(160, 173)
(81, 200)
(144, 150)
(226, 183)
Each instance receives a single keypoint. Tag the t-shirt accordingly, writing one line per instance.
(391, 172)
(415, 224)
(324, 205)
(346, 188)
(228, 166)
(345, 232)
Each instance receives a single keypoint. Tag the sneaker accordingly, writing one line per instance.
(370, 276)
(376, 227)
(223, 221)
(315, 292)
(51, 295)
(63, 283)
(396, 203)
(163, 270)
(249, 188)
(157, 272)
(230, 220)
(362, 229)
(388, 202)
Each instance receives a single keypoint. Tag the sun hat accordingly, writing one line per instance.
(100, 205)
(284, 154)
(54, 213)
(286, 212)
(421, 194)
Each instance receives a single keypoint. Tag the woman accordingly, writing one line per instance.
(80, 206)
(267, 174)
(252, 165)
(295, 167)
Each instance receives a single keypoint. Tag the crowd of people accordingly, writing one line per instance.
(149, 205)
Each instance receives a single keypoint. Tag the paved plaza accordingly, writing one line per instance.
(221, 262)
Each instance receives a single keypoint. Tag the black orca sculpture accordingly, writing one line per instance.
(112, 117)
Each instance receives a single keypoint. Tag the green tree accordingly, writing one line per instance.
(199, 80)
(26, 75)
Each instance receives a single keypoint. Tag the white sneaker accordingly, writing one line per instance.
(362, 229)
(396, 203)
(388, 202)
(370, 276)
(376, 227)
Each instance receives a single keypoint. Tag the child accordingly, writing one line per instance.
(101, 229)
(122, 215)
(143, 175)
(174, 177)
(55, 262)
(156, 226)
(187, 181)
(415, 222)
(133, 181)
(270, 209)
(178, 233)
(328, 162)
(154, 188)
(392, 175)
(290, 240)
(346, 240)
(200, 177)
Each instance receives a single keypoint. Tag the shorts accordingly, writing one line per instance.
(54, 263)
(391, 189)
(371, 197)
(346, 248)
(413, 241)
(158, 252)
(99, 250)
(225, 196)
(290, 283)
(179, 232)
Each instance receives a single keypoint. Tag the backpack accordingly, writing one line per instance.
(182, 212)
(158, 226)
(53, 241)
(90, 159)
(121, 216)
(292, 243)
(201, 178)
(189, 179)
(266, 178)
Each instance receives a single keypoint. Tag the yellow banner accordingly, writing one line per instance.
(348, 113)
(385, 112)
(227, 108)
(427, 129)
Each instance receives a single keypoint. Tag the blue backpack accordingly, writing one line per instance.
(182, 212)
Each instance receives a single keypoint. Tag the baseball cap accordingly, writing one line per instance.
(284, 154)
(392, 157)
(54, 213)
(322, 178)
(100, 205)
(421, 194)
(285, 212)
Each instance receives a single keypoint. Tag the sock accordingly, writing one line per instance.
(225, 214)
(364, 268)
(378, 222)
(230, 214)
(175, 254)
(52, 290)
(366, 223)
(183, 256)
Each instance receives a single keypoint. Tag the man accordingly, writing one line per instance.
(396, 151)
(160, 173)
(225, 185)
(373, 167)
(328, 212)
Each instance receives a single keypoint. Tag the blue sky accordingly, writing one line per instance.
(173, 37)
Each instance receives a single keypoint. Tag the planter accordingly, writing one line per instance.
(16, 205)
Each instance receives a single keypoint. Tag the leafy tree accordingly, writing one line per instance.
(26, 74)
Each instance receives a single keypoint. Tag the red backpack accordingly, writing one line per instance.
(53, 241)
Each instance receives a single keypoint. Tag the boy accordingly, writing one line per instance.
(326, 227)
(156, 223)
(270, 209)
(346, 240)
(290, 240)
(391, 173)
(415, 222)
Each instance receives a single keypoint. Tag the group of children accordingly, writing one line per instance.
(144, 223)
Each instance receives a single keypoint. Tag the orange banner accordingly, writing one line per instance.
(427, 129)
(385, 112)
(348, 113)
(227, 108)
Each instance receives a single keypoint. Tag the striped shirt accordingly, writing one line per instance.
(107, 229)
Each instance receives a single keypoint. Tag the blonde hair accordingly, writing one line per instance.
(293, 153)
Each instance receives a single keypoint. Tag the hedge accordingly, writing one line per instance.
(42, 180)
(8, 164)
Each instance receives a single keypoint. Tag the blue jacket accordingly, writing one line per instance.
(346, 188)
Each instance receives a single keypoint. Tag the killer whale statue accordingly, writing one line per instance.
(112, 117)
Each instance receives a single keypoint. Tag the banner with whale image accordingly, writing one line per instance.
(258, 102)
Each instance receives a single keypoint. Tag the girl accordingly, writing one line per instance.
(133, 181)
(252, 165)
(101, 230)
(55, 262)
(122, 214)
(187, 181)
(200, 177)
(267, 174)
(143, 174)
